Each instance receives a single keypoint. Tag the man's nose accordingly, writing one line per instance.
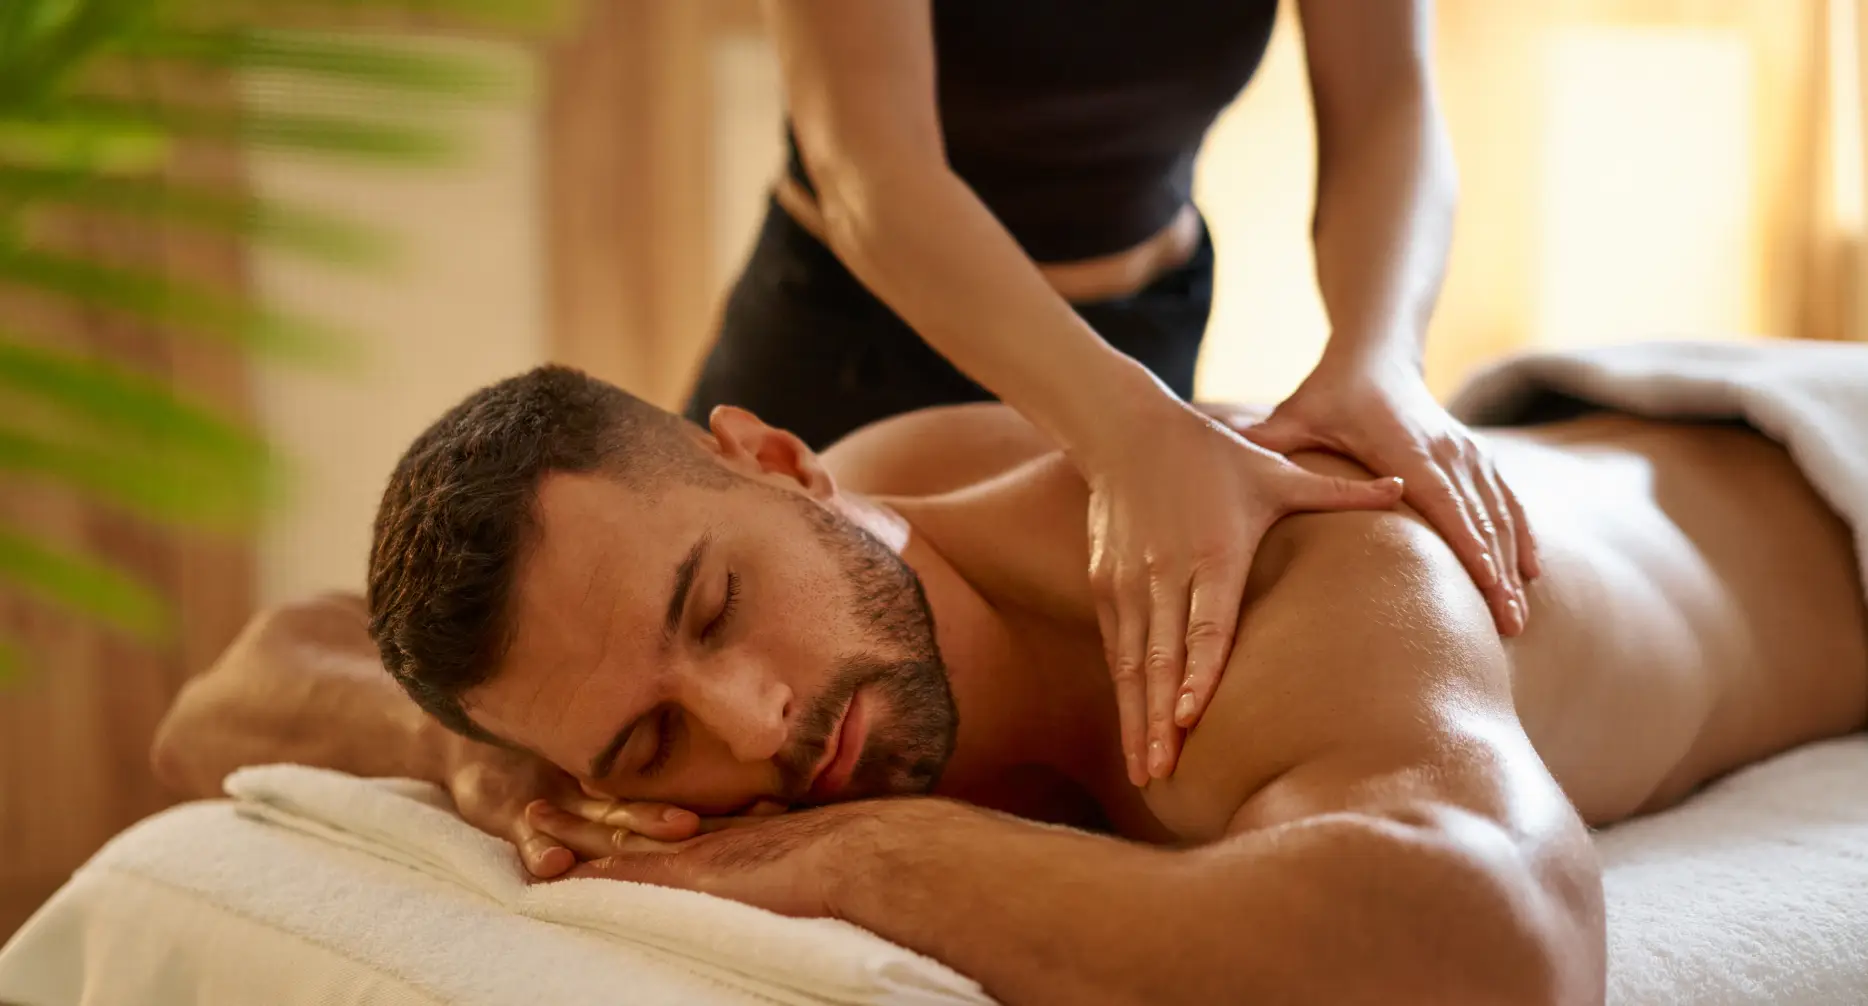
(745, 706)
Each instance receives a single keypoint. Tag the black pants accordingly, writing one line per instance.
(808, 348)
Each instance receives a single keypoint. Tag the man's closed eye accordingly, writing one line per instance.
(718, 625)
(667, 722)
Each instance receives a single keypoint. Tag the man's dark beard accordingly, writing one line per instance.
(913, 721)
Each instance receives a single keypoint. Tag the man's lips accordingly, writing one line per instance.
(843, 751)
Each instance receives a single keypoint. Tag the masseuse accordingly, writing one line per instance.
(993, 199)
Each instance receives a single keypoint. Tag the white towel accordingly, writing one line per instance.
(1755, 891)
(1812, 397)
(794, 961)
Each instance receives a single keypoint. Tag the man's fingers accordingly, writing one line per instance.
(656, 820)
(588, 839)
(544, 856)
(1165, 668)
(1212, 621)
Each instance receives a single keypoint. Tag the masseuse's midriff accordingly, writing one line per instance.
(1118, 274)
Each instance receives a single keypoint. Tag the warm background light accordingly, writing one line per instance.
(1629, 168)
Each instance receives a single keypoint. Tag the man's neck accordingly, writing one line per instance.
(1033, 697)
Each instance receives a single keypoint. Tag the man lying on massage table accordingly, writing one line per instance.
(1383, 802)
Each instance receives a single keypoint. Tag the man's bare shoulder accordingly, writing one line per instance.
(937, 450)
(1361, 642)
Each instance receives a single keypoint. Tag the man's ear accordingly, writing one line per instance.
(747, 442)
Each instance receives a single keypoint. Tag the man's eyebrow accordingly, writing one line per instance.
(605, 760)
(684, 585)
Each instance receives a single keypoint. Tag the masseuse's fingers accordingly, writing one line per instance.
(1494, 496)
(1470, 483)
(1212, 622)
(1530, 564)
(656, 820)
(1125, 667)
(1439, 499)
(1163, 669)
(1121, 637)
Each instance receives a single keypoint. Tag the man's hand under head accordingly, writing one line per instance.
(793, 864)
(529, 802)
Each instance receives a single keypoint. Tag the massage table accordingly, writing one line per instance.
(318, 888)
(1755, 891)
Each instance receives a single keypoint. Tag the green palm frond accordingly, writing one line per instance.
(84, 585)
(76, 399)
(84, 130)
(10, 661)
(414, 74)
(160, 300)
(195, 207)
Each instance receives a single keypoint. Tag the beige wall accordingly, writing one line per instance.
(1628, 170)
(462, 306)
(1624, 173)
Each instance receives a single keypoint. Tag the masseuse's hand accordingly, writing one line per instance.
(502, 793)
(1178, 504)
(1386, 419)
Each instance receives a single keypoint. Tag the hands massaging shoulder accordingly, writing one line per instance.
(1375, 763)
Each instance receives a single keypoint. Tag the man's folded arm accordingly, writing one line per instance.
(1385, 832)
(303, 683)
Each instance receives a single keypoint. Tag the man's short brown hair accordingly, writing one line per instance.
(458, 513)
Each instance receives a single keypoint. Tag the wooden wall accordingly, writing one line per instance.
(75, 730)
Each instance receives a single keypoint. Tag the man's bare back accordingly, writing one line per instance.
(1699, 610)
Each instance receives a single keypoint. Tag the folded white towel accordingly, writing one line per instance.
(802, 961)
(1812, 397)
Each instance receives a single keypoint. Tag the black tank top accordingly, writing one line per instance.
(1077, 121)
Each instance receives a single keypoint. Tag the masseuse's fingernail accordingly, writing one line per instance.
(673, 814)
(1157, 759)
(1134, 766)
(1491, 569)
(1183, 710)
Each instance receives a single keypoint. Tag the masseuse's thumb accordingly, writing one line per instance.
(1280, 435)
(1310, 491)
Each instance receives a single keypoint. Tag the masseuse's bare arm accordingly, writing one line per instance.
(1375, 827)
(937, 450)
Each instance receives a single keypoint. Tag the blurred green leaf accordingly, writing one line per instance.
(394, 67)
(10, 662)
(164, 485)
(316, 234)
(156, 299)
(81, 584)
(503, 15)
(117, 147)
(58, 38)
(84, 127)
(106, 399)
(361, 135)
